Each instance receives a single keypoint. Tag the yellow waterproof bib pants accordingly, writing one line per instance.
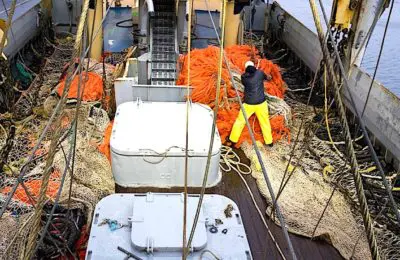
(262, 114)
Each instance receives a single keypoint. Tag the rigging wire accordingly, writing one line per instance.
(361, 122)
(326, 116)
(336, 149)
(31, 244)
(53, 116)
(349, 145)
(72, 152)
(306, 142)
(68, 161)
(264, 171)
(213, 128)
(379, 59)
(79, 102)
(292, 153)
(185, 191)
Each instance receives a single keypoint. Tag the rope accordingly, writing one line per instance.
(292, 153)
(163, 154)
(359, 237)
(78, 105)
(53, 116)
(326, 116)
(379, 59)
(282, 221)
(72, 152)
(31, 244)
(337, 151)
(349, 145)
(185, 191)
(9, 22)
(211, 253)
(216, 107)
(232, 162)
(362, 125)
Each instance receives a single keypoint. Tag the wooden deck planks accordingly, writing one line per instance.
(261, 244)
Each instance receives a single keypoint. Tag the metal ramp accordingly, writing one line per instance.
(163, 43)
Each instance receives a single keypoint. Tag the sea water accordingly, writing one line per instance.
(389, 68)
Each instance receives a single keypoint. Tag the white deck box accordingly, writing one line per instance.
(151, 227)
(148, 145)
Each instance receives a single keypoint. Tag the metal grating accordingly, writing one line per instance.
(163, 52)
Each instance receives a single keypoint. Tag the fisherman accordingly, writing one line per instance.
(254, 102)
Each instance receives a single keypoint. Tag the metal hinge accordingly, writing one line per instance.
(150, 245)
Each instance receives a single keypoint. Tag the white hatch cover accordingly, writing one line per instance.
(159, 129)
(157, 223)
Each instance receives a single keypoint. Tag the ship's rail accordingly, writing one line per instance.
(24, 26)
(382, 113)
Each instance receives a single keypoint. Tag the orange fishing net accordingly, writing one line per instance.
(92, 82)
(33, 188)
(81, 244)
(203, 80)
(104, 147)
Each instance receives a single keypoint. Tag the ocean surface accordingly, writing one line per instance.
(389, 68)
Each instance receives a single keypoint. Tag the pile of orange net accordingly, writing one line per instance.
(91, 83)
(203, 80)
(33, 188)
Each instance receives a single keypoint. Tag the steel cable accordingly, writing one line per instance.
(53, 116)
(34, 231)
(213, 128)
(185, 191)
(378, 61)
(72, 152)
(362, 125)
(31, 244)
(278, 211)
(350, 149)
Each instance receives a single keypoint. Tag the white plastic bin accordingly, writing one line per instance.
(148, 145)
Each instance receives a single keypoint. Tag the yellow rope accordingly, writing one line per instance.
(368, 224)
(326, 117)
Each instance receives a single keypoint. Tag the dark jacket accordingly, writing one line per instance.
(253, 81)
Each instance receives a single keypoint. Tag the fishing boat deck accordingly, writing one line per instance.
(261, 244)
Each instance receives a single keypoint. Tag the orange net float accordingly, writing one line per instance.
(203, 80)
(92, 82)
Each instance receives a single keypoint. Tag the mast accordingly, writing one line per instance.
(47, 6)
(353, 22)
(232, 27)
(95, 17)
